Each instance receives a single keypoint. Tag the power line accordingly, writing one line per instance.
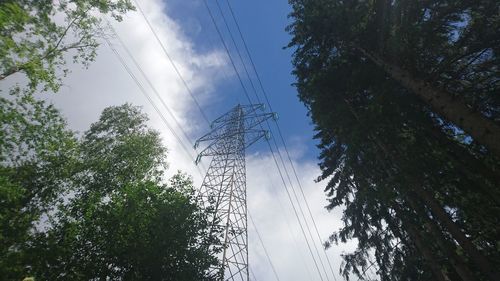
(279, 130)
(366, 269)
(288, 225)
(155, 91)
(300, 207)
(290, 232)
(295, 210)
(193, 99)
(227, 51)
(264, 247)
(276, 162)
(279, 153)
(171, 60)
(251, 273)
(206, 119)
(237, 50)
(276, 146)
(185, 84)
(144, 92)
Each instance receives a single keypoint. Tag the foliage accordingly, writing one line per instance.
(36, 156)
(145, 231)
(410, 181)
(107, 211)
(36, 35)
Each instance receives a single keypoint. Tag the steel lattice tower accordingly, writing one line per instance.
(223, 192)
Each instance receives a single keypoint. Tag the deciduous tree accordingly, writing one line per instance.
(104, 211)
(38, 37)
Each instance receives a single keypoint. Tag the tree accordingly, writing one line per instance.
(406, 176)
(145, 231)
(116, 217)
(444, 52)
(36, 156)
(36, 36)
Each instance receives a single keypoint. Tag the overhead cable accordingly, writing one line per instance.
(272, 152)
(276, 145)
(264, 247)
(279, 129)
(144, 92)
(171, 60)
(155, 91)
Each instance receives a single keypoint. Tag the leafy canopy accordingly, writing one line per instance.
(37, 36)
(98, 207)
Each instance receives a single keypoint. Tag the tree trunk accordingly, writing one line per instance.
(483, 264)
(426, 252)
(457, 262)
(381, 9)
(483, 176)
(438, 211)
(483, 130)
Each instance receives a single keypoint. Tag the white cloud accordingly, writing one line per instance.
(276, 221)
(87, 92)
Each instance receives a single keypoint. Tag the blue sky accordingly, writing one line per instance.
(190, 38)
(263, 26)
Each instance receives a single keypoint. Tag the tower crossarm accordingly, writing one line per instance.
(249, 123)
(246, 110)
(214, 148)
(248, 118)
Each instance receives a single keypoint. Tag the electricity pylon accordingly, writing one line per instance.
(223, 192)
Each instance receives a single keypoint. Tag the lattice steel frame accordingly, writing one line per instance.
(223, 192)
